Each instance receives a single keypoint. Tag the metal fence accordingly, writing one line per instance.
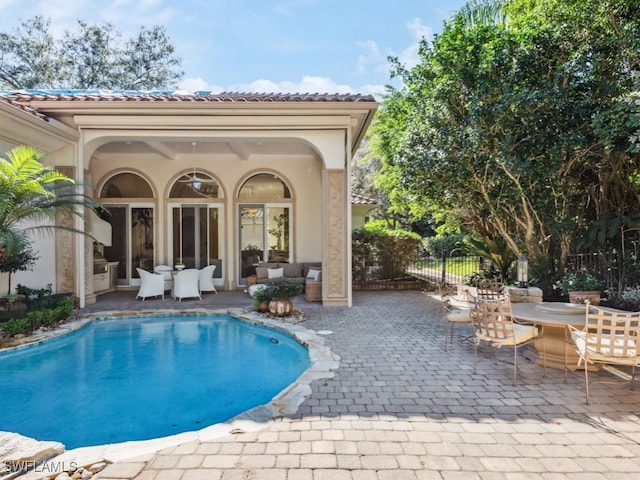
(410, 271)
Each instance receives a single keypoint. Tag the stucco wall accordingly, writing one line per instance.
(302, 173)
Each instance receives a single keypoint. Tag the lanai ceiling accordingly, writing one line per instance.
(243, 149)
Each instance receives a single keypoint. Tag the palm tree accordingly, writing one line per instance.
(31, 195)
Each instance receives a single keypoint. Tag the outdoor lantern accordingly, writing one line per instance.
(523, 265)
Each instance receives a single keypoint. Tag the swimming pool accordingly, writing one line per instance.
(137, 378)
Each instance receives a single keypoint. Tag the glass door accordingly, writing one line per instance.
(196, 236)
(265, 236)
(132, 246)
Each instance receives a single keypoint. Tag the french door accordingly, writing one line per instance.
(265, 236)
(196, 236)
(132, 243)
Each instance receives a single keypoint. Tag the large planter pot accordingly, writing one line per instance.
(281, 308)
(263, 307)
(581, 296)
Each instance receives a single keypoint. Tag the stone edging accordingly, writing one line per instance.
(323, 362)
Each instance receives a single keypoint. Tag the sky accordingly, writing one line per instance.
(291, 46)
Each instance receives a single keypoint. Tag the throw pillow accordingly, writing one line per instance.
(261, 272)
(313, 274)
(275, 272)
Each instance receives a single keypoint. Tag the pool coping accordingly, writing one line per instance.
(323, 363)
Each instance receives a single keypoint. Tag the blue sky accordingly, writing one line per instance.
(323, 46)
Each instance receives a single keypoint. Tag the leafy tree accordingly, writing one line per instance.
(517, 122)
(18, 257)
(31, 195)
(90, 57)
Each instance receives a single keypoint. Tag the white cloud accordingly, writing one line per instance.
(199, 85)
(419, 30)
(372, 58)
(308, 84)
(409, 57)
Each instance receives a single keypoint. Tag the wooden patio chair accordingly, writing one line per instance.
(609, 339)
(494, 325)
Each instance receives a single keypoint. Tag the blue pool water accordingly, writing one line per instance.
(136, 378)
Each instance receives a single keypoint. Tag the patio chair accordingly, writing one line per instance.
(494, 325)
(609, 339)
(456, 313)
(166, 272)
(151, 284)
(490, 288)
(205, 279)
(185, 284)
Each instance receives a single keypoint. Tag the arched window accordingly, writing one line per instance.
(264, 187)
(132, 225)
(126, 185)
(196, 185)
(265, 209)
(195, 223)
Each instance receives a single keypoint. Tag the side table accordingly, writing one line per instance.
(251, 280)
(313, 291)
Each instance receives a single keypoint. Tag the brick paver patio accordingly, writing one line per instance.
(400, 407)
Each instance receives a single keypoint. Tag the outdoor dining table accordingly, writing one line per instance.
(553, 317)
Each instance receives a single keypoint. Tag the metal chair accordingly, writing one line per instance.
(456, 313)
(609, 338)
(490, 288)
(494, 325)
(151, 284)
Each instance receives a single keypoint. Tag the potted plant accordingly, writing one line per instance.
(261, 297)
(282, 292)
(179, 265)
(581, 286)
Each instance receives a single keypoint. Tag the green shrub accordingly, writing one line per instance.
(58, 308)
(64, 309)
(450, 245)
(17, 326)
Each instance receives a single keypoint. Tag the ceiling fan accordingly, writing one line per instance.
(193, 179)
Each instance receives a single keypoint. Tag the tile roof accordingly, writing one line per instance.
(21, 96)
(23, 107)
(362, 200)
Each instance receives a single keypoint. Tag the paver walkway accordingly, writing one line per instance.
(400, 407)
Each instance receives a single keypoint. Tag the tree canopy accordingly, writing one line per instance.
(92, 56)
(518, 122)
(31, 195)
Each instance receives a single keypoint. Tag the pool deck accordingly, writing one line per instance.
(400, 407)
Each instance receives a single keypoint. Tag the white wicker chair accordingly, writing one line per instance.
(185, 284)
(166, 272)
(205, 279)
(151, 284)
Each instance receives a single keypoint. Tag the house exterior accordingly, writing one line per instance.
(229, 179)
(361, 208)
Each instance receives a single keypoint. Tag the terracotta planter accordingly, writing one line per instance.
(263, 307)
(580, 296)
(281, 308)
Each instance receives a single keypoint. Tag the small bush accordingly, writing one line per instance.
(17, 326)
(451, 245)
(52, 309)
